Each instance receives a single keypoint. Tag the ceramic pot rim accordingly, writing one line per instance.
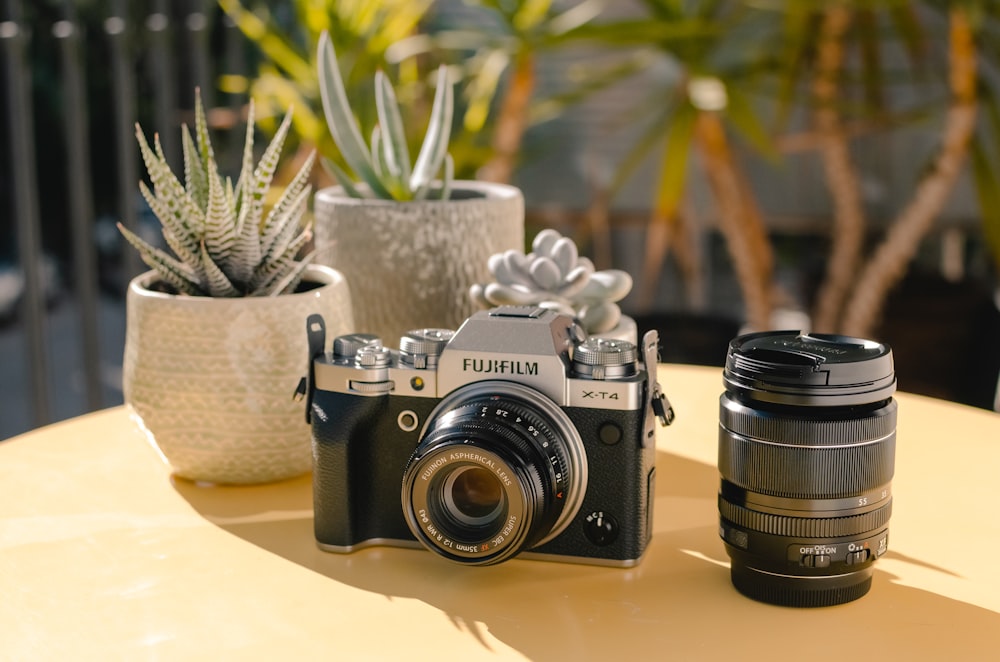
(483, 191)
(314, 273)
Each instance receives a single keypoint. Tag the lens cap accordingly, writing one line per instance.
(790, 367)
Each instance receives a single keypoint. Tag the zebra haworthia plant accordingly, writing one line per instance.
(223, 243)
(384, 166)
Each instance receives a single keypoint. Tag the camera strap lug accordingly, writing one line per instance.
(316, 336)
(657, 400)
(661, 406)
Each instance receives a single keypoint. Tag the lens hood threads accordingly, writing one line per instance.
(806, 457)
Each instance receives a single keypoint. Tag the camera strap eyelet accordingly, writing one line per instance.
(656, 399)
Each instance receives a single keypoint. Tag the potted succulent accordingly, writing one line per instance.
(215, 332)
(409, 239)
(554, 275)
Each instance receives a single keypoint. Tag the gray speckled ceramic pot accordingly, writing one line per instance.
(410, 264)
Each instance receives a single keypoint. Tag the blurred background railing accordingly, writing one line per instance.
(77, 76)
(602, 105)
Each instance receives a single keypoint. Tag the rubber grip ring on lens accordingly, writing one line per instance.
(805, 527)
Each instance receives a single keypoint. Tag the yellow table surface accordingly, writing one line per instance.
(104, 556)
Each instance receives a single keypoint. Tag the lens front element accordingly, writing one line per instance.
(473, 495)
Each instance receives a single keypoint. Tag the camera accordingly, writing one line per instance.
(807, 440)
(514, 435)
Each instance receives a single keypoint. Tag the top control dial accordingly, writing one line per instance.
(605, 358)
(422, 347)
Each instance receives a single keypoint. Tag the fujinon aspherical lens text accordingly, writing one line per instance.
(807, 436)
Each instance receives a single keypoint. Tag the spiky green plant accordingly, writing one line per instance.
(223, 243)
(385, 165)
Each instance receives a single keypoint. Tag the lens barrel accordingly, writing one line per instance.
(499, 469)
(807, 432)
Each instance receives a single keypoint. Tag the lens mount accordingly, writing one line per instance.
(499, 469)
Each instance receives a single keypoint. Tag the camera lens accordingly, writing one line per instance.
(473, 496)
(499, 469)
(806, 455)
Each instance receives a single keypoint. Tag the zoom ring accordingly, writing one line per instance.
(805, 527)
(806, 473)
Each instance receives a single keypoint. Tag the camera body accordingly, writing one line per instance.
(514, 433)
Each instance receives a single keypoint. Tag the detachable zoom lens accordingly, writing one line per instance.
(499, 469)
(806, 455)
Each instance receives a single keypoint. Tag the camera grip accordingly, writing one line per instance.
(336, 444)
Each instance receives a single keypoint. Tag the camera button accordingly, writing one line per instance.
(609, 434)
(600, 528)
(407, 421)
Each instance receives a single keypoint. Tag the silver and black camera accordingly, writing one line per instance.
(514, 434)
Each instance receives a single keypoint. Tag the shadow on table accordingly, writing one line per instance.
(678, 600)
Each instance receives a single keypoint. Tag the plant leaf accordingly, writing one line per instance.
(168, 190)
(289, 200)
(676, 153)
(340, 120)
(195, 181)
(285, 228)
(643, 146)
(173, 223)
(291, 279)
(247, 251)
(449, 177)
(218, 284)
(376, 151)
(435, 144)
(176, 273)
(219, 231)
(190, 258)
(243, 184)
(342, 178)
(739, 111)
(395, 153)
(201, 133)
(286, 271)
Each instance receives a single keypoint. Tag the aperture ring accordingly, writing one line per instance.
(764, 426)
(805, 527)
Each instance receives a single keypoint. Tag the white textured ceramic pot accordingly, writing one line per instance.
(210, 380)
(410, 264)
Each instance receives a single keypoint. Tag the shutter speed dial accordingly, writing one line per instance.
(605, 358)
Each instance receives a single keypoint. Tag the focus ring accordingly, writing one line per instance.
(805, 527)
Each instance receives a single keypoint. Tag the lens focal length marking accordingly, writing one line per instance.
(852, 505)
(805, 527)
